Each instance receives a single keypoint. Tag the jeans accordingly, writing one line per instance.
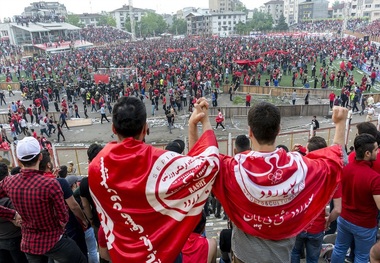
(92, 246)
(10, 251)
(64, 251)
(364, 239)
(313, 244)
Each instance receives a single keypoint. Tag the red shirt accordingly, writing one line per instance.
(248, 98)
(195, 249)
(319, 223)
(375, 164)
(39, 201)
(359, 183)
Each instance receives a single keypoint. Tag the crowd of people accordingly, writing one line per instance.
(331, 26)
(104, 34)
(272, 197)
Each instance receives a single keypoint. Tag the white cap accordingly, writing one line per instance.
(27, 149)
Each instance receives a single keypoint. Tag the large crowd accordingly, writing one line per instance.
(104, 34)
(272, 204)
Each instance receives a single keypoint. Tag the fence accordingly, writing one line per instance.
(78, 154)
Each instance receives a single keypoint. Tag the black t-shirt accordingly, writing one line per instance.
(85, 192)
(7, 228)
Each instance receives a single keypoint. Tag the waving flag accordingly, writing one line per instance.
(149, 200)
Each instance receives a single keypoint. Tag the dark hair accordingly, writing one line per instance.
(15, 170)
(242, 143)
(129, 116)
(264, 120)
(45, 160)
(62, 171)
(93, 151)
(283, 147)
(30, 162)
(367, 127)
(363, 142)
(201, 225)
(3, 170)
(315, 143)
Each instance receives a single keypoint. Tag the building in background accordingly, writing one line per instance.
(291, 11)
(370, 9)
(122, 14)
(45, 11)
(89, 19)
(205, 23)
(181, 14)
(221, 6)
(275, 8)
(313, 9)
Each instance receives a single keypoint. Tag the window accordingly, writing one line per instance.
(229, 22)
(218, 17)
(224, 23)
(219, 23)
(377, 6)
(224, 17)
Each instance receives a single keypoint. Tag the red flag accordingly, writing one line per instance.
(276, 195)
(149, 200)
(102, 78)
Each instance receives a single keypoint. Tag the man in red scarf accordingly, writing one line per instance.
(149, 200)
(271, 195)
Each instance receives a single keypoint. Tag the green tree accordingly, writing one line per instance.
(153, 24)
(242, 28)
(107, 20)
(260, 21)
(74, 20)
(241, 7)
(179, 26)
(335, 3)
(282, 25)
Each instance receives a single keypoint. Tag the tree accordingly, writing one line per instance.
(74, 20)
(260, 21)
(107, 20)
(335, 4)
(241, 7)
(179, 26)
(152, 24)
(282, 25)
(242, 28)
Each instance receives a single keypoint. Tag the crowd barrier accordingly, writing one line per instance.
(78, 154)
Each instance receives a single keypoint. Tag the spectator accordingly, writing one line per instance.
(36, 212)
(250, 206)
(10, 234)
(129, 125)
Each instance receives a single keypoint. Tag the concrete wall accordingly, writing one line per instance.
(286, 110)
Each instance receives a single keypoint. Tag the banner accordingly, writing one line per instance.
(102, 78)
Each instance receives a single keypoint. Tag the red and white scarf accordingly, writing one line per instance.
(276, 195)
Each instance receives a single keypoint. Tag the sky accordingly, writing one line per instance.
(96, 6)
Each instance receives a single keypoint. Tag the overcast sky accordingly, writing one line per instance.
(16, 7)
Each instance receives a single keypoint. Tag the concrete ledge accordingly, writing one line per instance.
(79, 122)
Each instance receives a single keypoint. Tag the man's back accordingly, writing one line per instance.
(143, 189)
(39, 201)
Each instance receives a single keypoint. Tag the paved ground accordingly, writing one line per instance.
(159, 132)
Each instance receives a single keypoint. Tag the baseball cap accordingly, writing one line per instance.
(27, 149)
(72, 179)
(177, 146)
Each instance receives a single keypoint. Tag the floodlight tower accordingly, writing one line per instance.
(132, 19)
(346, 14)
